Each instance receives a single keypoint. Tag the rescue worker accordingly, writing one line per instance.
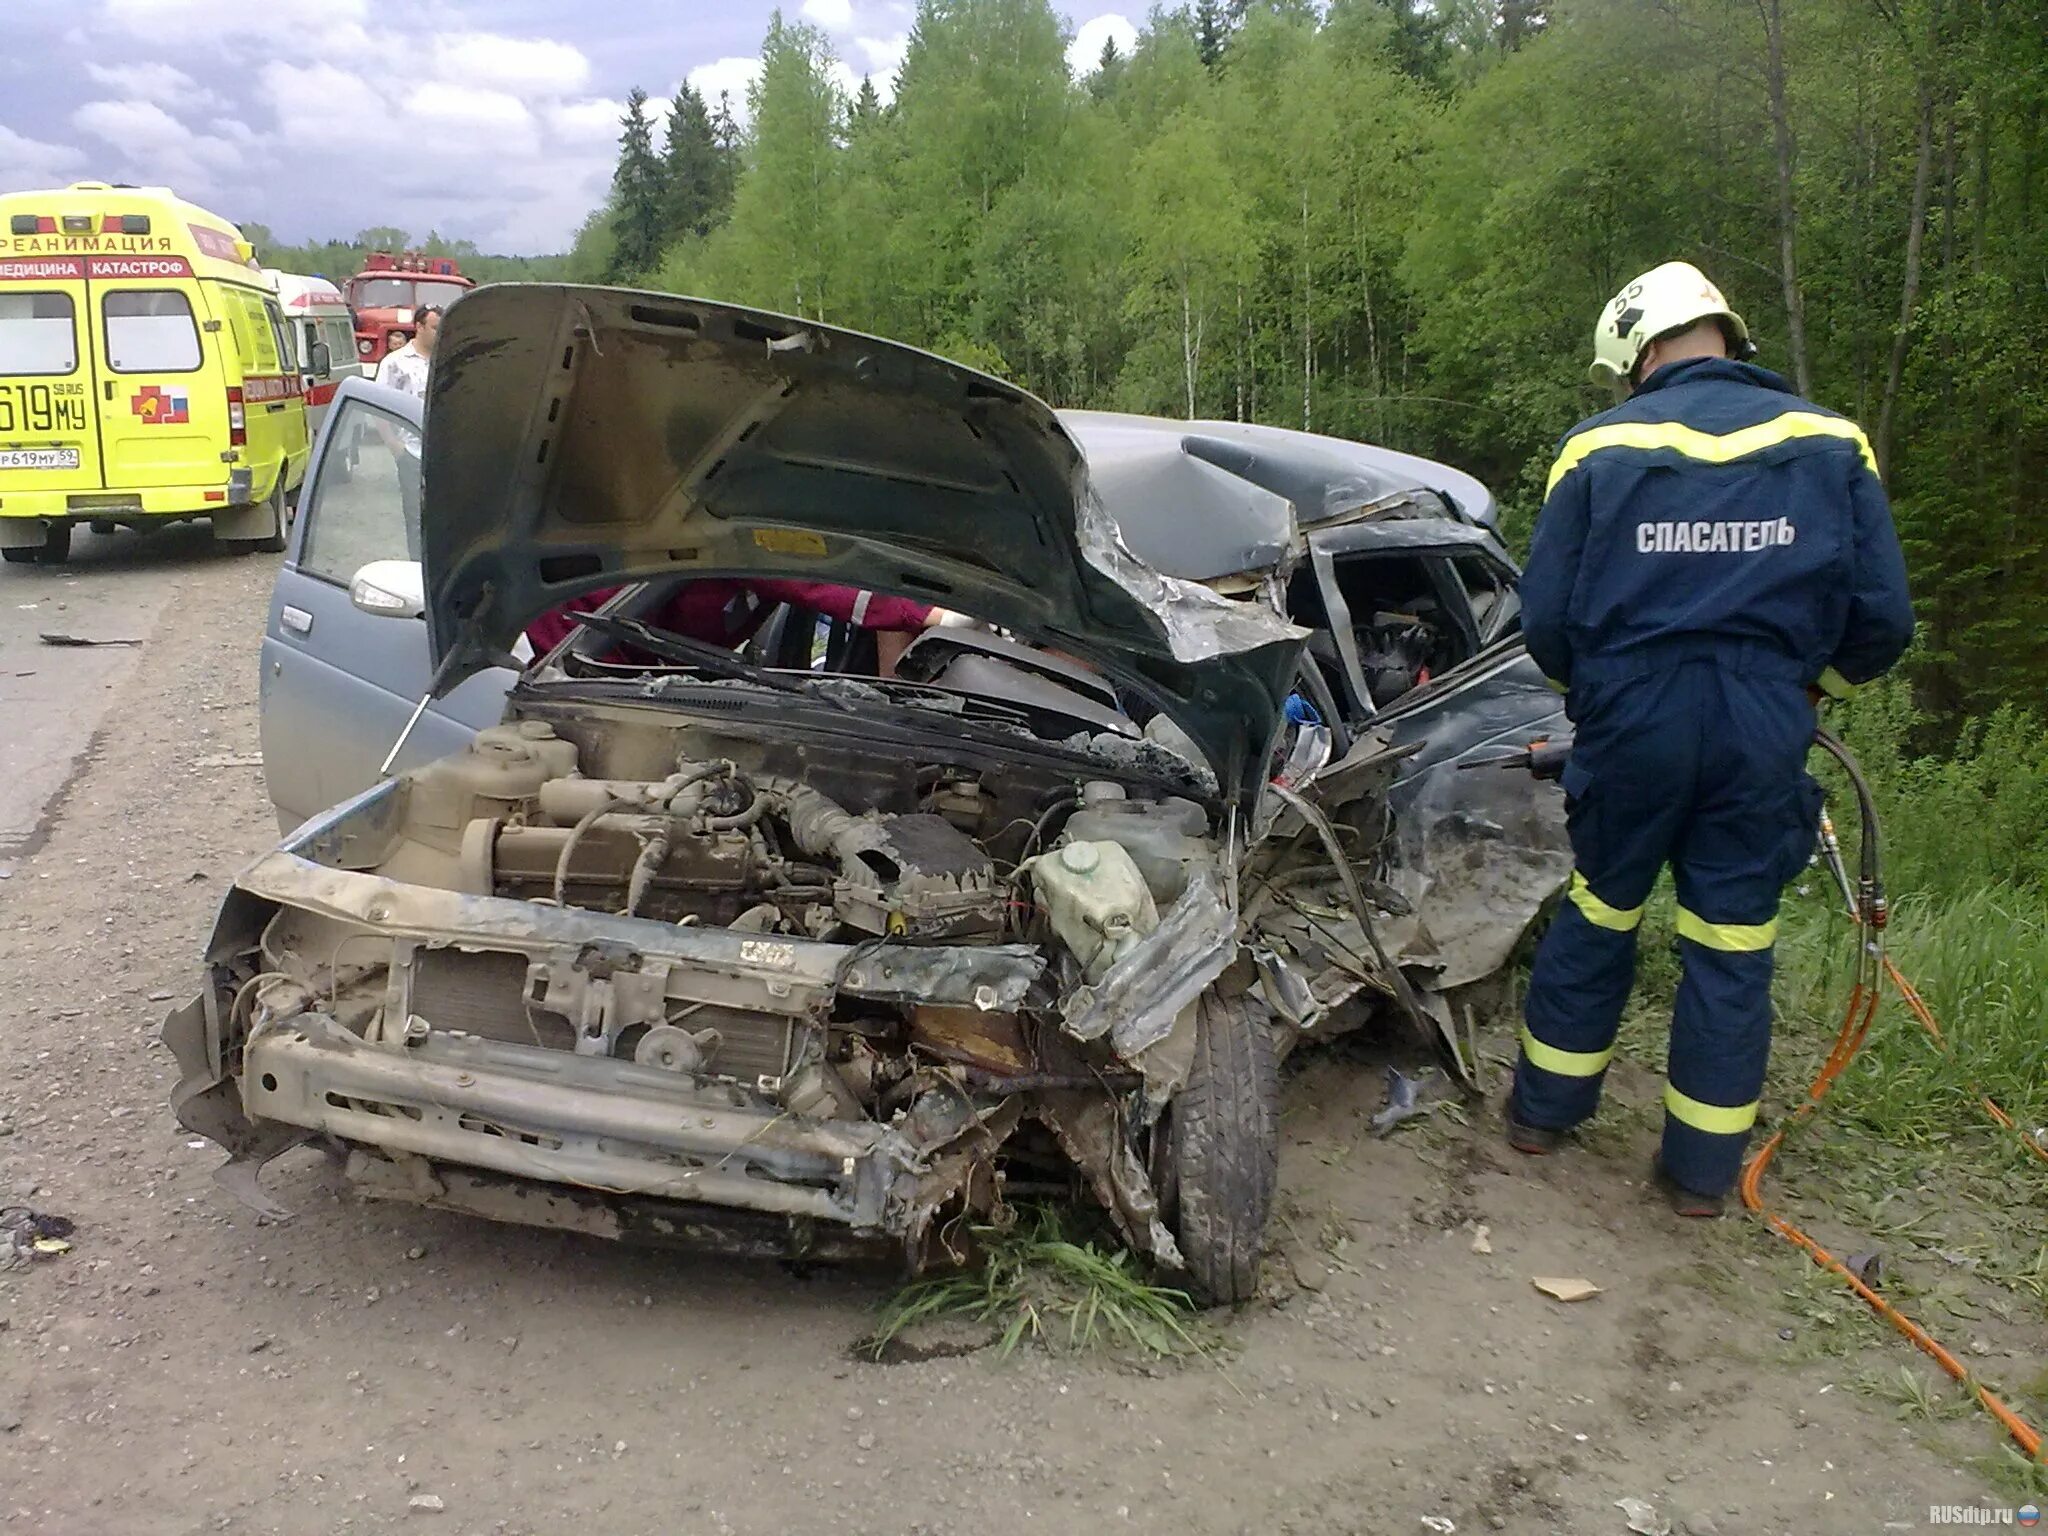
(1714, 554)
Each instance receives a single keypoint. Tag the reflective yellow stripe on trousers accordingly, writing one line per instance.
(1714, 1119)
(1707, 447)
(1730, 938)
(1564, 1063)
(1598, 913)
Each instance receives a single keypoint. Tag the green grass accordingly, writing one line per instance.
(1918, 1395)
(1036, 1285)
(1980, 959)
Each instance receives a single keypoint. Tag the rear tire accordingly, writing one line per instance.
(1223, 1150)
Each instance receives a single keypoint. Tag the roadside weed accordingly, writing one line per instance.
(1036, 1285)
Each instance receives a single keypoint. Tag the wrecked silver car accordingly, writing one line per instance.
(697, 947)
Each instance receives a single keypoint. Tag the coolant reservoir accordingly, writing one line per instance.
(1097, 900)
(505, 765)
(1161, 836)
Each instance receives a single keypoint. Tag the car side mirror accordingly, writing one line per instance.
(390, 589)
(323, 358)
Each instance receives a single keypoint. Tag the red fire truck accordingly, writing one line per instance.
(390, 287)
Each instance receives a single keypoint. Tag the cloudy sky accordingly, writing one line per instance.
(491, 120)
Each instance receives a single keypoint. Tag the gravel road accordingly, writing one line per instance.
(185, 1370)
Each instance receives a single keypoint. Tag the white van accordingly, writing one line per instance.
(324, 332)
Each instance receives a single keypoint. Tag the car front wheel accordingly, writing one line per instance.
(1223, 1150)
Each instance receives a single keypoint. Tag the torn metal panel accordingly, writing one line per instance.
(1090, 1131)
(1200, 623)
(1479, 853)
(1137, 1001)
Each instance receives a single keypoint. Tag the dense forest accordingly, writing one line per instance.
(338, 259)
(1396, 221)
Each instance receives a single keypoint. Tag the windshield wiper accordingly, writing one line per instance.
(700, 654)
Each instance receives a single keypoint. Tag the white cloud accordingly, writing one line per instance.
(1085, 52)
(884, 54)
(587, 122)
(732, 76)
(846, 77)
(525, 65)
(317, 117)
(467, 106)
(161, 83)
(26, 162)
(129, 124)
(150, 145)
(309, 22)
(833, 14)
(310, 100)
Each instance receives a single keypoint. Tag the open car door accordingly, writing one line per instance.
(338, 684)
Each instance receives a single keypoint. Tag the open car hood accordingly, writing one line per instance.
(580, 437)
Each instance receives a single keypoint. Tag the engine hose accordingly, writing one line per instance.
(1867, 911)
(589, 819)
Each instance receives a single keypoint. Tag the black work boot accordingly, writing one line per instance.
(1535, 1140)
(1687, 1202)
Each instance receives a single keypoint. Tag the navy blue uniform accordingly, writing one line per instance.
(1708, 550)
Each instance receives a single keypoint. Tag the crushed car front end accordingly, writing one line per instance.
(625, 971)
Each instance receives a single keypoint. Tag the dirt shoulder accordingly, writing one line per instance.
(186, 1370)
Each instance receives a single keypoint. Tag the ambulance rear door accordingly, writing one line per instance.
(163, 394)
(49, 430)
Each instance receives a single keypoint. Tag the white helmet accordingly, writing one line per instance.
(1673, 297)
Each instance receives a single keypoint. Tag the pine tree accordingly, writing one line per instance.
(691, 170)
(1109, 69)
(725, 133)
(1212, 31)
(1521, 20)
(867, 109)
(637, 187)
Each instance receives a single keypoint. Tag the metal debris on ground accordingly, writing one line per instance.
(1404, 1102)
(1564, 1289)
(32, 1235)
(80, 641)
(1440, 1525)
(1643, 1518)
(1867, 1267)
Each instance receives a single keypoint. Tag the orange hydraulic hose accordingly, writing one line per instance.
(1863, 1001)
(1925, 1015)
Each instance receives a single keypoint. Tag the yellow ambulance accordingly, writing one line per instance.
(146, 373)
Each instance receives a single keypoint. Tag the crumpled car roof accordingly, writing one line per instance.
(1204, 499)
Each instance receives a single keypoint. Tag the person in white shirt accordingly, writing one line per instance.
(406, 367)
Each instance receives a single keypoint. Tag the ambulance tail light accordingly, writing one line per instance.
(31, 224)
(238, 421)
